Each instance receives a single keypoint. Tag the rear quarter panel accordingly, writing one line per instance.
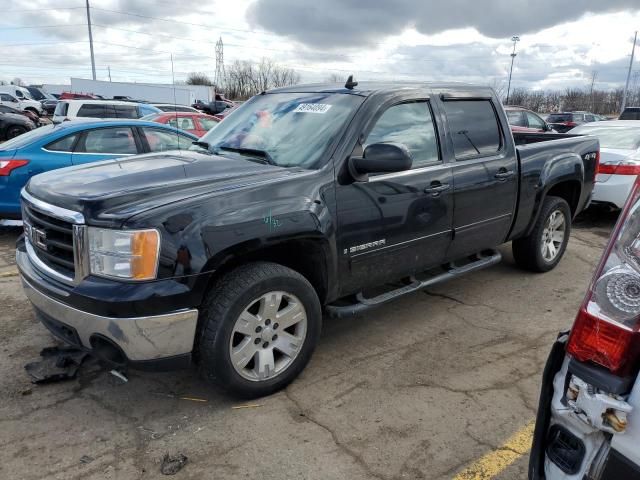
(544, 165)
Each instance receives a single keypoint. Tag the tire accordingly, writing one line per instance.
(34, 111)
(530, 252)
(14, 130)
(223, 333)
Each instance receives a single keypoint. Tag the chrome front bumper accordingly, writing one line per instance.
(139, 338)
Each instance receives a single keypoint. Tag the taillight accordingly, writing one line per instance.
(6, 166)
(607, 328)
(569, 124)
(624, 168)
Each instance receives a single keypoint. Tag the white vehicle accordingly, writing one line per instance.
(70, 109)
(619, 159)
(170, 107)
(22, 103)
(21, 93)
(588, 420)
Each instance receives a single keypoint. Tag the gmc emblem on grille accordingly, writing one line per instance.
(36, 236)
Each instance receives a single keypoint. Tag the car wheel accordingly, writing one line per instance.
(544, 247)
(14, 130)
(33, 110)
(258, 329)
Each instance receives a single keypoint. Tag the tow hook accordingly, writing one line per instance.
(603, 411)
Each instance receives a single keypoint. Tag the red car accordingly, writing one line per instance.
(196, 123)
(523, 120)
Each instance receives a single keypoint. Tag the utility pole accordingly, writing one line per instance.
(626, 87)
(514, 39)
(109, 68)
(93, 60)
(594, 75)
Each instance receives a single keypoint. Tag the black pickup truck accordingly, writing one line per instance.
(305, 199)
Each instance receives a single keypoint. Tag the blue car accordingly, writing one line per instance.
(73, 143)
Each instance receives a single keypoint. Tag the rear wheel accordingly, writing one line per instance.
(14, 130)
(33, 110)
(544, 247)
(260, 325)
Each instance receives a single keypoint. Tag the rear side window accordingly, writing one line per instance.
(474, 128)
(184, 123)
(61, 109)
(5, 97)
(515, 118)
(535, 121)
(560, 117)
(411, 125)
(64, 144)
(91, 110)
(109, 140)
(126, 111)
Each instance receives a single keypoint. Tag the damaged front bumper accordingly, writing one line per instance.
(159, 341)
(582, 415)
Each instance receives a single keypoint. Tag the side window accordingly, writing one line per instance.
(184, 123)
(474, 128)
(589, 118)
(91, 110)
(208, 123)
(5, 97)
(410, 124)
(162, 140)
(109, 140)
(19, 94)
(64, 144)
(535, 121)
(126, 111)
(515, 118)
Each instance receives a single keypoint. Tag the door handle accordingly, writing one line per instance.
(504, 174)
(436, 188)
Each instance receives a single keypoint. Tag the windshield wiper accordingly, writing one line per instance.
(265, 157)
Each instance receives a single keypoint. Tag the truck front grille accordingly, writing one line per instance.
(51, 239)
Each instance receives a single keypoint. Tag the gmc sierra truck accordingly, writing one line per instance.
(305, 199)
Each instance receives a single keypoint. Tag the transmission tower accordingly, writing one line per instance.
(219, 76)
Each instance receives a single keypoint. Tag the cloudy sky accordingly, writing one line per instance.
(563, 43)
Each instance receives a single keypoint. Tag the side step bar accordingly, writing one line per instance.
(478, 261)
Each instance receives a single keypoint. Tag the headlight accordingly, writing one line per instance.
(131, 254)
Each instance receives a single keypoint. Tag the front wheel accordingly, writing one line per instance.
(259, 327)
(543, 248)
(14, 130)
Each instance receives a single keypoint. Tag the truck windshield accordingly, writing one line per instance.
(288, 129)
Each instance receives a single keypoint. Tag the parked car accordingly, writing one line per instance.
(12, 125)
(78, 96)
(26, 104)
(21, 93)
(49, 106)
(619, 159)
(587, 424)
(170, 107)
(38, 93)
(73, 143)
(215, 107)
(25, 113)
(196, 123)
(630, 113)
(563, 122)
(523, 120)
(69, 109)
(305, 198)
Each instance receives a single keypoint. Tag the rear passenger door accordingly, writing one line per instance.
(484, 175)
(106, 143)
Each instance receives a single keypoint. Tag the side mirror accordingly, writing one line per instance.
(380, 158)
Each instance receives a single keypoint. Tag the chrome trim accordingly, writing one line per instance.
(81, 252)
(140, 338)
(47, 208)
(43, 267)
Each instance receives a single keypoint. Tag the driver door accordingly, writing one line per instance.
(398, 223)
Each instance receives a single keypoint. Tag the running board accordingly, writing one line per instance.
(478, 261)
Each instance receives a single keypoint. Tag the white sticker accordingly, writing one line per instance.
(312, 108)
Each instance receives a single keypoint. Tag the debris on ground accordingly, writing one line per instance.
(191, 399)
(250, 405)
(119, 375)
(11, 273)
(86, 459)
(57, 364)
(172, 464)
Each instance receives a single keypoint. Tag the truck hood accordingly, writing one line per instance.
(112, 191)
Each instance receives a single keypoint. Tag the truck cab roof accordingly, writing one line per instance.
(366, 89)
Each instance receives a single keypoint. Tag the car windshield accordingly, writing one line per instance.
(27, 138)
(625, 138)
(286, 129)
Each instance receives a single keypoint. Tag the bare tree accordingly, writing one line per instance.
(198, 78)
(335, 78)
(245, 79)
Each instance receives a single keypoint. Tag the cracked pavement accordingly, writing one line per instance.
(417, 389)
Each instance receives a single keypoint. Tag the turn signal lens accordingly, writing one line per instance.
(145, 254)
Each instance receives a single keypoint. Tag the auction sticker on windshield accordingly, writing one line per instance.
(312, 108)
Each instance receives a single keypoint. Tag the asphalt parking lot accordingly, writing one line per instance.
(421, 388)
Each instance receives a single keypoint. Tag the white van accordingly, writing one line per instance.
(70, 109)
(10, 99)
(21, 93)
